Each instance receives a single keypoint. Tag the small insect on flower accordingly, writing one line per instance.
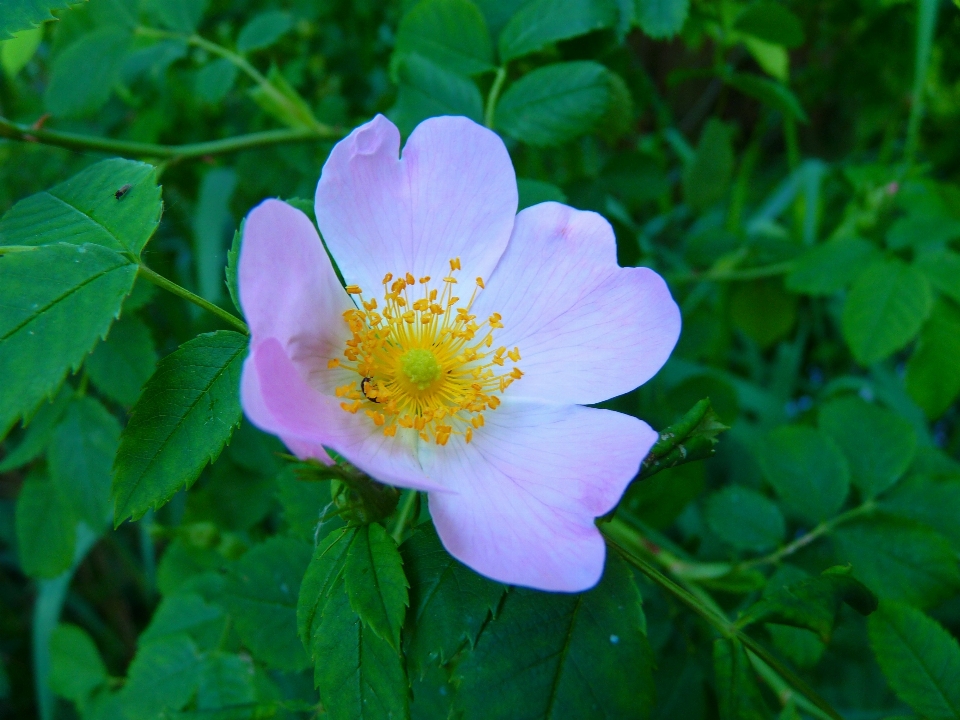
(363, 388)
(123, 191)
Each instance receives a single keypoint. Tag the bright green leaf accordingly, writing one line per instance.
(120, 365)
(555, 103)
(886, 307)
(76, 669)
(84, 74)
(920, 659)
(899, 560)
(261, 596)
(541, 22)
(213, 226)
(19, 50)
(185, 415)
(428, 90)
(164, 675)
(449, 602)
(745, 519)
(84, 209)
(942, 270)
(375, 583)
(264, 30)
(323, 573)
(933, 373)
(39, 431)
(770, 92)
(214, 80)
(661, 18)
(553, 655)
(282, 101)
(830, 267)
(58, 301)
(451, 33)
(81, 453)
(807, 470)
(920, 230)
(46, 529)
(16, 15)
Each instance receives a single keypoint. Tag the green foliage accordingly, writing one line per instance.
(18, 15)
(692, 438)
(77, 669)
(552, 656)
(264, 30)
(745, 519)
(933, 378)
(706, 177)
(164, 675)
(121, 365)
(541, 22)
(738, 695)
(662, 18)
(84, 74)
(375, 582)
(451, 33)
(46, 529)
(185, 415)
(920, 659)
(427, 90)
(830, 267)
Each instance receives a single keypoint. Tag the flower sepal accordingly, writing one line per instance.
(355, 496)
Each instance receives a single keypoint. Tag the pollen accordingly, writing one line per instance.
(423, 364)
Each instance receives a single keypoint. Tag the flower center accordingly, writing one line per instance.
(423, 363)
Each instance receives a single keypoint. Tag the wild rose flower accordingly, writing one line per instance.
(459, 356)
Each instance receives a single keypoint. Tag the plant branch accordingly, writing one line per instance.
(130, 148)
(723, 625)
(491, 109)
(408, 502)
(172, 287)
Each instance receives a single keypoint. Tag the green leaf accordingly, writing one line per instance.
(451, 33)
(555, 103)
(121, 365)
(16, 15)
(920, 660)
(226, 680)
(84, 209)
(212, 227)
(830, 267)
(19, 50)
(738, 695)
(358, 675)
(692, 438)
(899, 560)
(84, 74)
(375, 583)
(552, 655)
(427, 90)
(498, 13)
(76, 669)
(164, 675)
(46, 529)
(812, 603)
(230, 272)
(448, 602)
(807, 470)
(261, 597)
(922, 230)
(763, 310)
(185, 613)
(80, 457)
(264, 30)
(303, 503)
(933, 373)
(323, 573)
(771, 22)
(770, 92)
(57, 302)
(39, 431)
(931, 502)
(179, 15)
(185, 415)
(706, 178)
(886, 307)
(942, 270)
(745, 519)
(661, 18)
(541, 22)
(214, 80)
(879, 444)
(533, 192)
(289, 108)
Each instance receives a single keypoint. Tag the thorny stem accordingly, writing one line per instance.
(172, 287)
(723, 625)
(491, 109)
(130, 148)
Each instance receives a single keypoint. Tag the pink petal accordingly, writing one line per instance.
(307, 419)
(453, 194)
(586, 328)
(528, 487)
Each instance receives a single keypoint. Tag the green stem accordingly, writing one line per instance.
(408, 502)
(723, 625)
(491, 109)
(129, 148)
(824, 528)
(237, 60)
(926, 26)
(10, 249)
(172, 287)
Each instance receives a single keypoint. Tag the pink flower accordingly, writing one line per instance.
(426, 376)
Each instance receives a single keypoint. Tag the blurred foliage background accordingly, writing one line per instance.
(791, 168)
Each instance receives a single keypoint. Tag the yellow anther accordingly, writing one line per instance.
(450, 279)
(370, 304)
(424, 280)
(354, 289)
(343, 390)
(514, 354)
(410, 279)
(390, 430)
(468, 435)
(387, 278)
(494, 402)
(454, 264)
(333, 363)
(477, 421)
(515, 373)
(351, 407)
(480, 283)
(410, 316)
